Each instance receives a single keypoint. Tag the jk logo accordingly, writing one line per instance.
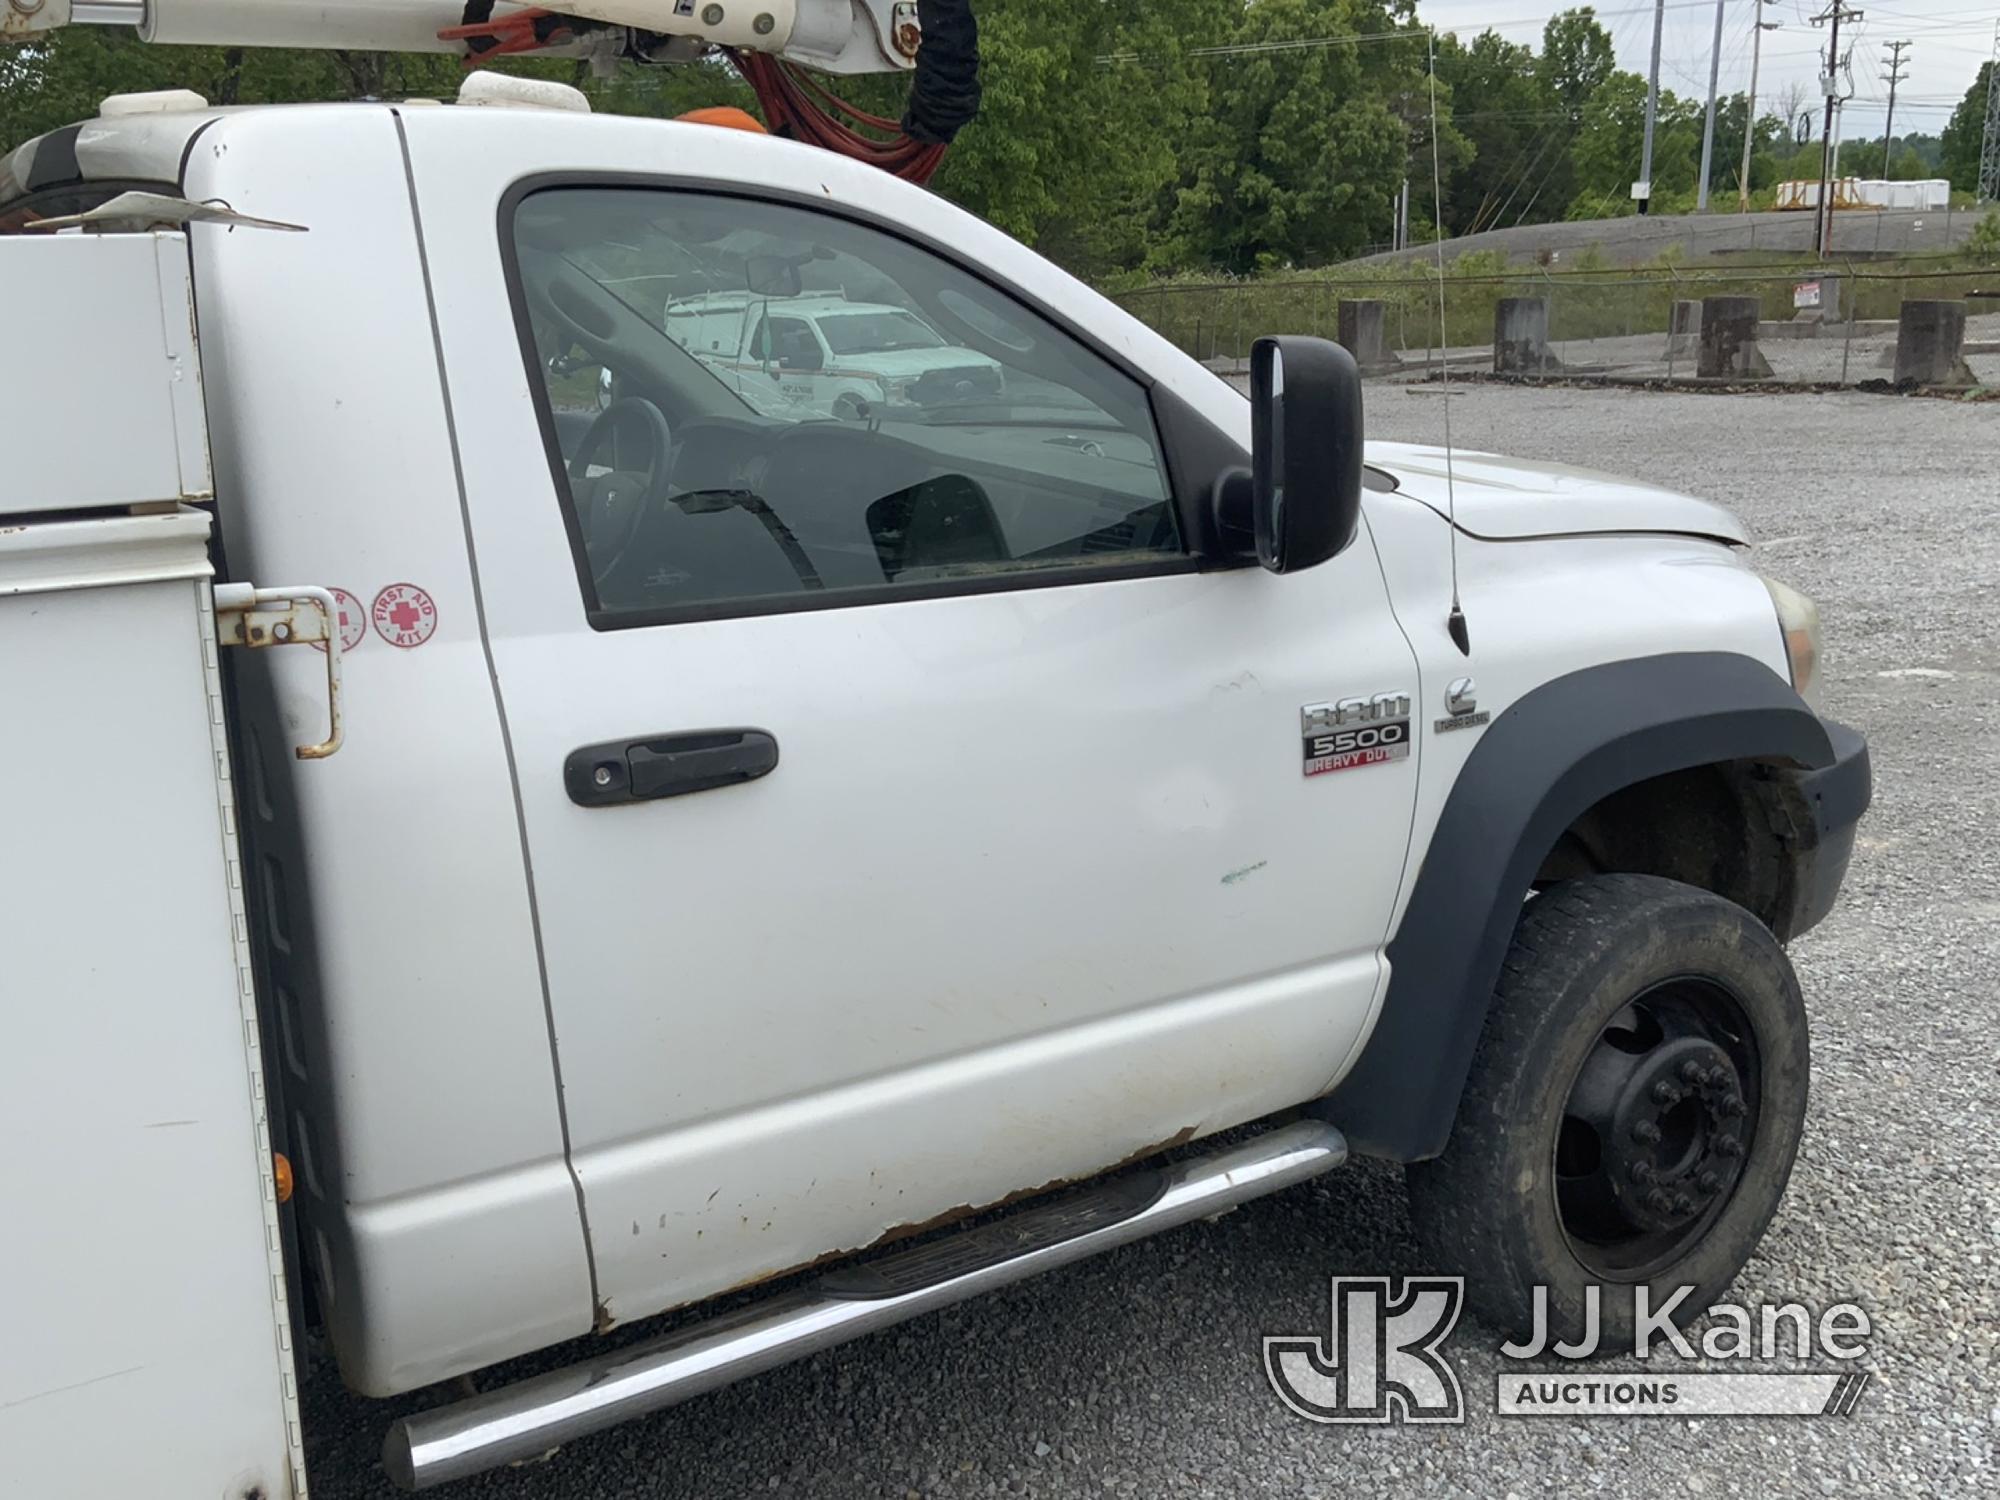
(1381, 1362)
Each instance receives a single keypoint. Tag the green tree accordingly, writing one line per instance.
(1920, 153)
(64, 78)
(1959, 149)
(1116, 138)
(1728, 157)
(1516, 145)
(1577, 60)
(1903, 162)
(1077, 157)
(1798, 163)
(1610, 148)
(1983, 244)
(1304, 150)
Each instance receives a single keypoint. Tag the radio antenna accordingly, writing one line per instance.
(1455, 621)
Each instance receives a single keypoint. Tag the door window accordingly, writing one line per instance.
(956, 440)
(793, 346)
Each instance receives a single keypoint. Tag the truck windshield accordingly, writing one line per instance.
(877, 332)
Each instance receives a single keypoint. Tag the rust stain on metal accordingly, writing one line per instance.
(309, 617)
(898, 1232)
(326, 747)
(906, 31)
(19, 19)
(951, 1216)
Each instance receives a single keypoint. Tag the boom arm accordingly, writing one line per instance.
(834, 36)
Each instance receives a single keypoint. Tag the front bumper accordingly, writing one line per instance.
(1819, 810)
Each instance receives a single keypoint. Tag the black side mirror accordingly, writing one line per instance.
(1305, 451)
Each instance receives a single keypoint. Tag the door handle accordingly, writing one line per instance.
(667, 765)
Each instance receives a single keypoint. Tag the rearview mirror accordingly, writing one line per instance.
(1305, 451)
(772, 275)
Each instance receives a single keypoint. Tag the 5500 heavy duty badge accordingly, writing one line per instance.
(1354, 732)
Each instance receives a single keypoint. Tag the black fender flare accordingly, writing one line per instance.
(1539, 766)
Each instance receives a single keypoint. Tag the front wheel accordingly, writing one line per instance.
(1632, 1111)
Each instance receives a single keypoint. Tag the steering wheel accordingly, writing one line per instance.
(609, 506)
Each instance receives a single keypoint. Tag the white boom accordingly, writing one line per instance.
(836, 36)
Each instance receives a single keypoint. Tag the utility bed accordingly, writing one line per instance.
(147, 1331)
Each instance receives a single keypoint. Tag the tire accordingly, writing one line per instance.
(1627, 1005)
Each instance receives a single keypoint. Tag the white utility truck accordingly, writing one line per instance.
(831, 356)
(620, 857)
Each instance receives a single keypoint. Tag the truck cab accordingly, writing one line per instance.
(771, 825)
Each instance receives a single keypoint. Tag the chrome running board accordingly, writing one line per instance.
(535, 1416)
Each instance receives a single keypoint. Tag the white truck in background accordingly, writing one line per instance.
(837, 358)
(757, 838)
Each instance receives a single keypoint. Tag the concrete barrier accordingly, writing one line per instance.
(1362, 334)
(1728, 342)
(1930, 344)
(1521, 337)
(1683, 328)
(1828, 308)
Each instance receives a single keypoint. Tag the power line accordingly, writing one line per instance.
(1836, 12)
(1758, 26)
(1989, 145)
(1642, 190)
(1555, 133)
(1409, 34)
(1894, 76)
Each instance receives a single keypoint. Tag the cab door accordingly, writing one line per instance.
(914, 819)
(799, 362)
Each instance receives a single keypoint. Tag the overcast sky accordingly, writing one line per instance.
(1949, 40)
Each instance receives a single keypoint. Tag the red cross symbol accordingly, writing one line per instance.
(404, 615)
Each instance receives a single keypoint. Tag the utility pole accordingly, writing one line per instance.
(1894, 76)
(1708, 122)
(1757, 30)
(1642, 190)
(1989, 147)
(1823, 220)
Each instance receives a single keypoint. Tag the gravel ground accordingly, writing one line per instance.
(1138, 1373)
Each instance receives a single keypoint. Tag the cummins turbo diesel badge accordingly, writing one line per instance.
(1355, 732)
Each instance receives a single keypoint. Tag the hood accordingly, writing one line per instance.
(899, 363)
(1509, 499)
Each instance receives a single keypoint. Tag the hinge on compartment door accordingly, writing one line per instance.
(246, 615)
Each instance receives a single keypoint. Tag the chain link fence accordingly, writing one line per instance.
(1833, 325)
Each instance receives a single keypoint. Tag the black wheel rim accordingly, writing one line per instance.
(1658, 1128)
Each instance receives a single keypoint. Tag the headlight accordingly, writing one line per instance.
(1798, 619)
